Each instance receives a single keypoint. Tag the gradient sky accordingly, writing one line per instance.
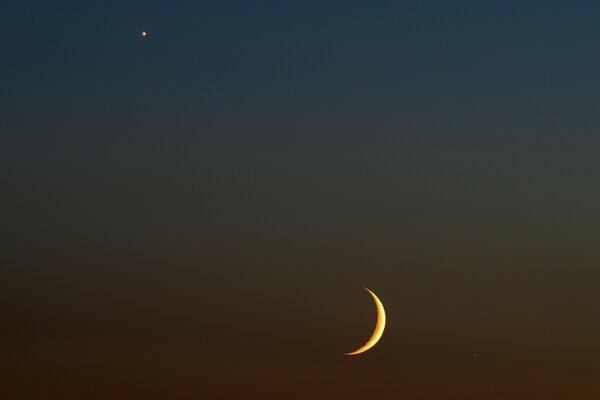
(194, 215)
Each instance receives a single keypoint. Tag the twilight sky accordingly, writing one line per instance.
(194, 215)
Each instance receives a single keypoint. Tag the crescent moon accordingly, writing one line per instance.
(379, 327)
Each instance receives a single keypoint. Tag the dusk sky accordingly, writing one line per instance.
(194, 214)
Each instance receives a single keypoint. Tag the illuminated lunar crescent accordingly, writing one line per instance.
(379, 327)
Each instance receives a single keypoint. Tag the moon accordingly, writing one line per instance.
(379, 327)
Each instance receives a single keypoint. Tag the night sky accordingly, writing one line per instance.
(194, 214)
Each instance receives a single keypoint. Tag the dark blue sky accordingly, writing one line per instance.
(482, 75)
(237, 177)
